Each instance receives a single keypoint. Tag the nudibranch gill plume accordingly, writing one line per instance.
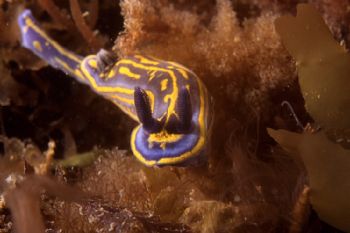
(170, 103)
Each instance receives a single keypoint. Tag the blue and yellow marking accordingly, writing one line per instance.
(161, 80)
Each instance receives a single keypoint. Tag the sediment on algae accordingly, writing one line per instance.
(249, 185)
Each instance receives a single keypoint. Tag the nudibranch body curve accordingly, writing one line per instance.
(171, 104)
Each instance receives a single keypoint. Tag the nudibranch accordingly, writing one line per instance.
(170, 103)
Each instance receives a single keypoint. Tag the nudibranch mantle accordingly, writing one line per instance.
(171, 104)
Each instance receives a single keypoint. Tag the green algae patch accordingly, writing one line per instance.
(79, 160)
(323, 66)
(328, 168)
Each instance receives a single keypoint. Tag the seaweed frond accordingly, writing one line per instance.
(56, 14)
(83, 28)
(323, 66)
(327, 164)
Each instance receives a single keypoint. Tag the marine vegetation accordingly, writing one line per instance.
(324, 69)
(174, 116)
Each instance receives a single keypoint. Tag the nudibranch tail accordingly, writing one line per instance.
(36, 40)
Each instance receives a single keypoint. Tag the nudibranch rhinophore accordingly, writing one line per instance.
(171, 104)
